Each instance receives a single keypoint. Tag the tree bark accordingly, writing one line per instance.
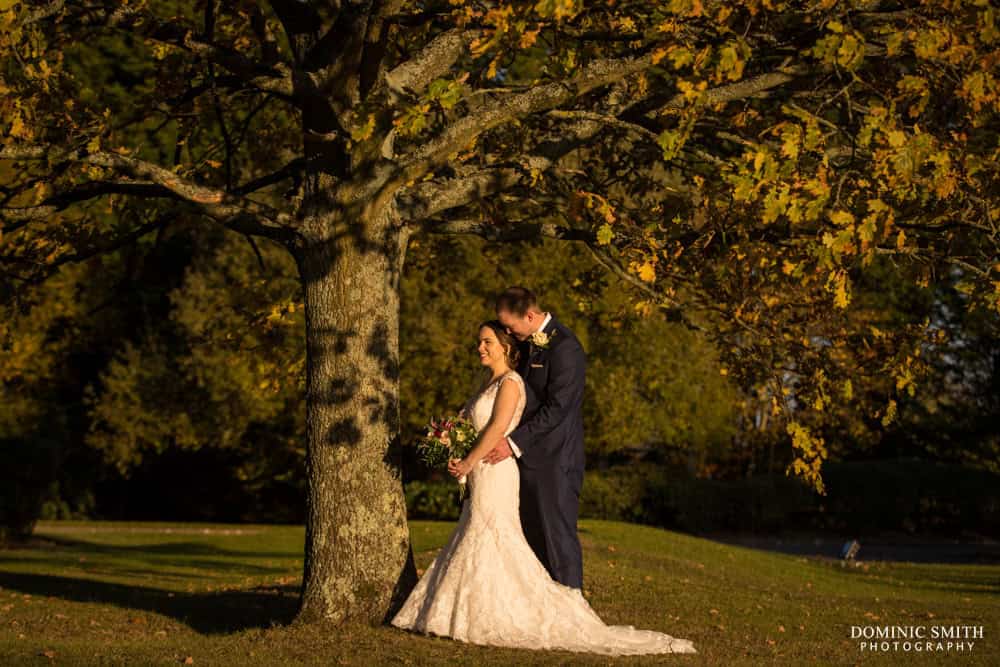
(358, 559)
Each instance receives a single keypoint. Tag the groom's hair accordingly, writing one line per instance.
(517, 300)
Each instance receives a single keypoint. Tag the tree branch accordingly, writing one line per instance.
(251, 217)
(276, 78)
(431, 62)
(376, 38)
(290, 170)
(738, 90)
(44, 12)
(519, 231)
(58, 202)
(607, 120)
(297, 18)
(541, 98)
(49, 268)
(431, 198)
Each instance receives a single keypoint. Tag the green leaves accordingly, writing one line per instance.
(672, 141)
(558, 9)
(733, 57)
(446, 92)
(685, 8)
(605, 234)
(844, 47)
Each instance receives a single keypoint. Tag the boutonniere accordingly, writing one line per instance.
(542, 340)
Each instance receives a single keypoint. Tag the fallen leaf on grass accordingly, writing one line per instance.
(189, 660)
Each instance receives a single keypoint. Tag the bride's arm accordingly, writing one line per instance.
(503, 411)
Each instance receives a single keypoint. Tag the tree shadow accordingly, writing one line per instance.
(208, 613)
(48, 540)
(196, 560)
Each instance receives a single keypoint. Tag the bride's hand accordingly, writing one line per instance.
(459, 467)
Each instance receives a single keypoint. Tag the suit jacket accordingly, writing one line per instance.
(551, 430)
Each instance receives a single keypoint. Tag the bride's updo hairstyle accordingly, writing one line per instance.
(511, 354)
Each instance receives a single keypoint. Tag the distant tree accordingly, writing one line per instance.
(33, 374)
(740, 163)
(957, 421)
(223, 369)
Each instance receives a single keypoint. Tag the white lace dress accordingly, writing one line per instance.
(486, 586)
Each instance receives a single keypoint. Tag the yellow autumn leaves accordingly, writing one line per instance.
(810, 453)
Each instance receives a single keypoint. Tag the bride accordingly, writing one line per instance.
(487, 586)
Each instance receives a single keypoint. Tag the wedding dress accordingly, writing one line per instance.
(487, 586)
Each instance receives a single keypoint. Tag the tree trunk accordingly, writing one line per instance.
(358, 559)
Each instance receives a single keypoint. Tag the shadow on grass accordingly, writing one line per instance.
(173, 560)
(166, 548)
(208, 613)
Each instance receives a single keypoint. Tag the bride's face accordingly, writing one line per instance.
(491, 352)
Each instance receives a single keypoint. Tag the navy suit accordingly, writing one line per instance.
(550, 437)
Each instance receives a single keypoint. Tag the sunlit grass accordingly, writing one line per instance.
(158, 593)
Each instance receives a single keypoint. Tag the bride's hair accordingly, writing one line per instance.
(512, 354)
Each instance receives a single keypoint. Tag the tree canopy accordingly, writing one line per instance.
(743, 165)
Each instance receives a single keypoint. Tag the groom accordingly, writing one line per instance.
(548, 442)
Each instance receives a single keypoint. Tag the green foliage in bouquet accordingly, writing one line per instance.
(446, 439)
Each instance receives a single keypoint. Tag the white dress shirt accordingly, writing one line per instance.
(514, 448)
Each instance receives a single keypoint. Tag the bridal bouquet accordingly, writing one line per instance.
(447, 439)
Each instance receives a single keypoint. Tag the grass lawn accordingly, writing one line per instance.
(167, 593)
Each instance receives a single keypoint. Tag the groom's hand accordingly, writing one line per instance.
(499, 453)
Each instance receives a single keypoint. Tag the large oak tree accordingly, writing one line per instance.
(738, 162)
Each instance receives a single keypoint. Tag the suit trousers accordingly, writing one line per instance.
(549, 507)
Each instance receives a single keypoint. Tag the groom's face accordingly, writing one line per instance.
(519, 326)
